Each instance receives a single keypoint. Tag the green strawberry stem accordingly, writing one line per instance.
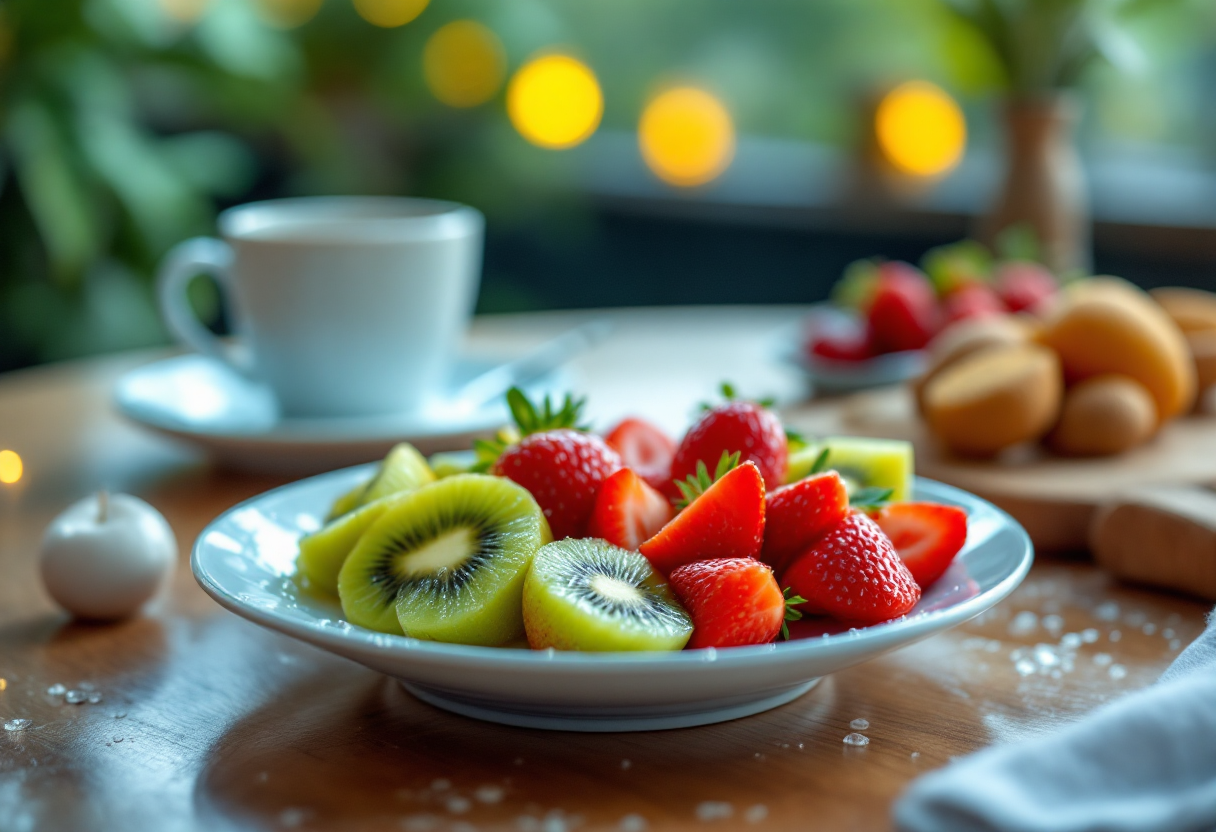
(529, 419)
(697, 484)
(871, 498)
(791, 614)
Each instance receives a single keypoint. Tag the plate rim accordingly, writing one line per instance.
(457, 655)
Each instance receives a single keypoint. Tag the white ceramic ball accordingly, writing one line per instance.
(107, 565)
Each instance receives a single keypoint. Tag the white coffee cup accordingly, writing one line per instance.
(345, 306)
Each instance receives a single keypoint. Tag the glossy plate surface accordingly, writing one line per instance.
(204, 402)
(245, 559)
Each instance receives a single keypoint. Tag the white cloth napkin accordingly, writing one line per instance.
(1144, 763)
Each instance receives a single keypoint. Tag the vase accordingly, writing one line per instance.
(1044, 186)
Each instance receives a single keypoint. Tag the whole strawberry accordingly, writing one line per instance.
(563, 467)
(854, 574)
(747, 428)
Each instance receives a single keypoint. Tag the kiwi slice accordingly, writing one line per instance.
(347, 502)
(404, 469)
(323, 552)
(586, 594)
(450, 463)
(447, 562)
(862, 463)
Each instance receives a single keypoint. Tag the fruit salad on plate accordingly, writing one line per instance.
(557, 536)
(885, 312)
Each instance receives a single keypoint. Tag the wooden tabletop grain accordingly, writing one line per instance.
(208, 722)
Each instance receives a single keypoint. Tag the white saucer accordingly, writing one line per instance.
(202, 401)
(245, 560)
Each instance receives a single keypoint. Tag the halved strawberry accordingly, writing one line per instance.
(854, 574)
(797, 515)
(645, 449)
(732, 601)
(628, 511)
(927, 536)
(724, 519)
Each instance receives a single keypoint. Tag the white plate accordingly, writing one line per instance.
(245, 559)
(830, 376)
(202, 401)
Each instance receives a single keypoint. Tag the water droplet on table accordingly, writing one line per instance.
(714, 810)
(489, 794)
(94, 698)
(1089, 635)
(458, 805)
(56, 689)
(859, 724)
(856, 740)
(75, 697)
(755, 814)
(18, 724)
(441, 784)
(1023, 624)
(1115, 635)
(625, 764)
(632, 823)
(1103, 659)
(1117, 672)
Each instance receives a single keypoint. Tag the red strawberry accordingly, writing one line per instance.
(645, 449)
(975, 300)
(904, 313)
(927, 536)
(746, 428)
(854, 574)
(628, 511)
(797, 515)
(1024, 286)
(564, 470)
(732, 601)
(725, 520)
(851, 346)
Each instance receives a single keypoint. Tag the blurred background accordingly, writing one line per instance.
(632, 152)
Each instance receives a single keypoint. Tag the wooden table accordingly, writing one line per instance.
(208, 722)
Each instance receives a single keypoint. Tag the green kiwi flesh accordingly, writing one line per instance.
(586, 594)
(348, 502)
(404, 469)
(323, 552)
(447, 562)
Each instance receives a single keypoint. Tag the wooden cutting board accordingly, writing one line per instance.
(1053, 497)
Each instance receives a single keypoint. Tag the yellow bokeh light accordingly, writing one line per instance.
(389, 13)
(287, 14)
(686, 136)
(184, 11)
(11, 467)
(921, 129)
(555, 101)
(464, 64)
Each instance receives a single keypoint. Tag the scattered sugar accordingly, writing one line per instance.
(489, 794)
(755, 814)
(714, 810)
(1023, 624)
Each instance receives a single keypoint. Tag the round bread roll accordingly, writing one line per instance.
(1203, 352)
(1104, 415)
(965, 337)
(995, 398)
(1194, 310)
(1106, 325)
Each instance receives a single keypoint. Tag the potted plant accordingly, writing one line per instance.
(1043, 47)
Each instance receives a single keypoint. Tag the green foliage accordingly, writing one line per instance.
(1045, 45)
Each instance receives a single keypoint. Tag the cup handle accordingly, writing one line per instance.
(201, 255)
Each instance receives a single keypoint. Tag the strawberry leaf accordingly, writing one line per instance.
(533, 419)
(791, 614)
(821, 462)
(871, 498)
(697, 484)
